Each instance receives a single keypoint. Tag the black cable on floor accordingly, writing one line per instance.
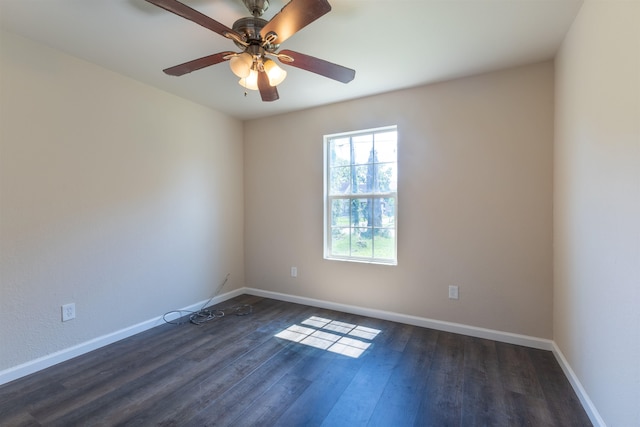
(206, 314)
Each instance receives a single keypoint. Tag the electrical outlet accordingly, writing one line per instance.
(68, 311)
(453, 292)
(294, 271)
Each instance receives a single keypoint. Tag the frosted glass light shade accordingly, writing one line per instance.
(275, 73)
(241, 64)
(251, 81)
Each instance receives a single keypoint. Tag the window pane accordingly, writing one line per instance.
(340, 152)
(340, 241)
(384, 212)
(340, 179)
(386, 177)
(377, 211)
(362, 149)
(384, 244)
(386, 146)
(340, 213)
(361, 212)
(363, 179)
(362, 243)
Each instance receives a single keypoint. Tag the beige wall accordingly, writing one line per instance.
(116, 196)
(597, 206)
(129, 202)
(475, 202)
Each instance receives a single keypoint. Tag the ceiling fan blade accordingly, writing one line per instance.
(268, 93)
(197, 64)
(294, 16)
(319, 66)
(185, 11)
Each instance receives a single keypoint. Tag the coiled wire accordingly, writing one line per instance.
(208, 314)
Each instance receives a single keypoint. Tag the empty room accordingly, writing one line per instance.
(320, 212)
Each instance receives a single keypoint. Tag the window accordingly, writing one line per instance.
(361, 201)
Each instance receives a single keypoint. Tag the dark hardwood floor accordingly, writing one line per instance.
(235, 371)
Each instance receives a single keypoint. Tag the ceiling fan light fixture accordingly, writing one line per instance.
(241, 64)
(274, 72)
(251, 81)
(256, 38)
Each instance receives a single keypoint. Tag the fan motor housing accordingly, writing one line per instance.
(250, 28)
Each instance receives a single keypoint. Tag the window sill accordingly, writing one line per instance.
(391, 263)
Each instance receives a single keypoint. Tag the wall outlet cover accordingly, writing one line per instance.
(68, 312)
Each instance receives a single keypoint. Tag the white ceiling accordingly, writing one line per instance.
(392, 44)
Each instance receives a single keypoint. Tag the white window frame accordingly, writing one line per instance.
(328, 198)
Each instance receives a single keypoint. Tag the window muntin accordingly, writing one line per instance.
(361, 176)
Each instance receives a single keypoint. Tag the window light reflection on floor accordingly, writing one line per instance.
(331, 335)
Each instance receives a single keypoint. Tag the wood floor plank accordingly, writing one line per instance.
(143, 378)
(400, 400)
(16, 403)
(113, 382)
(254, 370)
(330, 374)
(442, 399)
(554, 387)
(526, 410)
(19, 419)
(483, 395)
(270, 405)
(518, 373)
(231, 404)
(190, 392)
(220, 371)
(358, 401)
(255, 383)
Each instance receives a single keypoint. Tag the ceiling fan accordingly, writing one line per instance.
(260, 40)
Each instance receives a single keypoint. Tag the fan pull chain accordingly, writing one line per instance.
(245, 86)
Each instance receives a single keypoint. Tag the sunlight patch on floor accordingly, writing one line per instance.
(331, 335)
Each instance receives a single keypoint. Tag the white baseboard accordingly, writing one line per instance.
(457, 328)
(586, 402)
(43, 362)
